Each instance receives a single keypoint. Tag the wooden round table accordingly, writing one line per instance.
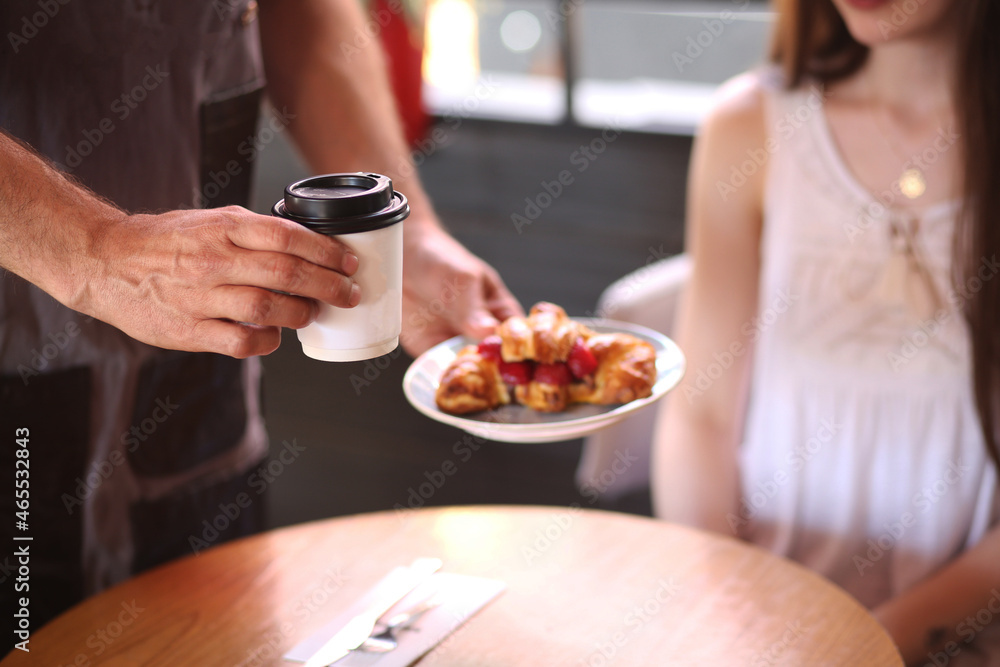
(584, 588)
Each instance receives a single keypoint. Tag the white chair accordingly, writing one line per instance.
(615, 461)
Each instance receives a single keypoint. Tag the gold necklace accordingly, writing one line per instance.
(912, 182)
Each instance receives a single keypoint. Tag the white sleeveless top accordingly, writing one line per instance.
(862, 456)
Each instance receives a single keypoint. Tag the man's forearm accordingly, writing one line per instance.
(345, 113)
(345, 119)
(46, 220)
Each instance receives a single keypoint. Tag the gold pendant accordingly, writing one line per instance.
(912, 183)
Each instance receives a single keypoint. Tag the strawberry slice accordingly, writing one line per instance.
(581, 360)
(489, 348)
(556, 374)
(515, 372)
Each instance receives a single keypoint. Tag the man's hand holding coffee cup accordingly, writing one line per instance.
(220, 280)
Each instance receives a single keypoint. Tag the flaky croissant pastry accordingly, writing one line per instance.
(547, 361)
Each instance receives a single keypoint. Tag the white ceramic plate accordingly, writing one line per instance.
(517, 423)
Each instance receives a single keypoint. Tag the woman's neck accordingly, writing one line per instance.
(894, 108)
(912, 75)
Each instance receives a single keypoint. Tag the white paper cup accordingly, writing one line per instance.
(365, 213)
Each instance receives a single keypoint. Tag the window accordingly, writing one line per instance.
(642, 65)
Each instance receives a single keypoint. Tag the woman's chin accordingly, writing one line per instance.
(871, 33)
(874, 22)
(866, 5)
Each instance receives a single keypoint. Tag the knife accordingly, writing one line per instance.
(359, 628)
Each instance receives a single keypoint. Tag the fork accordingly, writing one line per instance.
(386, 640)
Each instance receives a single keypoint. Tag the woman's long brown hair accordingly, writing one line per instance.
(811, 40)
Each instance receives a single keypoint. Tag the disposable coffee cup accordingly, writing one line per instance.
(364, 212)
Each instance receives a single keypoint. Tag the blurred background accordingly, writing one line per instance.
(499, 97)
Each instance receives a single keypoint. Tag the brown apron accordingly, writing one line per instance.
(135, 452)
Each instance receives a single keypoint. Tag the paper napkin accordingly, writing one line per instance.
(456, 598)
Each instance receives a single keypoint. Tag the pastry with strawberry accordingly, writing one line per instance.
(547, 362)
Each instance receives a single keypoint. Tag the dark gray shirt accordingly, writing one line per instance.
(142, 101)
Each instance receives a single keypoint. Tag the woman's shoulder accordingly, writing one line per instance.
(744, 98)
(733, 132)
(746, 109)
(738, 113)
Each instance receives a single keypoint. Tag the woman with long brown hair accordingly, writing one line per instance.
(842, 321)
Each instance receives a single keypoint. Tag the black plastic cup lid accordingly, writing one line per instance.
(343, 203)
